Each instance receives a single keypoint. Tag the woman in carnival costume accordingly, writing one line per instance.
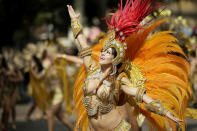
(10, 76)
(126, 67)
(38, 68)
(50, 90)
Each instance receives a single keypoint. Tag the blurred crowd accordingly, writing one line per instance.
(15, 64)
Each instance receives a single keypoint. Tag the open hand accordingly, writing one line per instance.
(171, 116)
(72, 13)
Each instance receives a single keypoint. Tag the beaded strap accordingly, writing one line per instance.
(107, 83)
(156, 107)
(76, 27)
(85, 52)
(123, 126)
(139, 94)
(105, 108)
(91, 111)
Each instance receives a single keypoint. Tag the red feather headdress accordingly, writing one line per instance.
(126, 21)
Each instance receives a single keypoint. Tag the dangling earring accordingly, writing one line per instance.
(114, 68)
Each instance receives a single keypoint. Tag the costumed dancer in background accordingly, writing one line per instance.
(50, 82)
(127, 67)
(1, 80)
(3, 85)
(10, 77)
(193, 61)
(38, 68)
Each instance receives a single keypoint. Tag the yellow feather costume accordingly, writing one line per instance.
(38, 88)
(60, 65)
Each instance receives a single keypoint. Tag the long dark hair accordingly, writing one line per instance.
(4, 63)
(38, 63)
(114, 52)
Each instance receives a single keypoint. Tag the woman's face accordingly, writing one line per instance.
(106, 57)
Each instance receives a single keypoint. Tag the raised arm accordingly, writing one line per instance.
(38, 75)
(82, 40)
(17, 76)
(129, 89)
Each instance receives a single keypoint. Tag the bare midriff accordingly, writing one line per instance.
(106, 122)
(53, 79)
(102, 121)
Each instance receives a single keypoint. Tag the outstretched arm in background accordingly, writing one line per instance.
(71, 58)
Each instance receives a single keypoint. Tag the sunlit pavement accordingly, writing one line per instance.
(36, 123)
(41, 124)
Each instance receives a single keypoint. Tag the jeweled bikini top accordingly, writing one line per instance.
(103, 94)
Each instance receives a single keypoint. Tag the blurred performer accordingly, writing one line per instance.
(193, 61)
(1, 80)
(126, 68)
(3, 84)
(9, 92)
(52, 91)
(38, 68)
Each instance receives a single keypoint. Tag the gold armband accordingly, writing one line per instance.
(76, 27)
(139, 94)
(85, 52)
(156, 107)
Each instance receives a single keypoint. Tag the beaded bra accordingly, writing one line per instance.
(102, 94)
